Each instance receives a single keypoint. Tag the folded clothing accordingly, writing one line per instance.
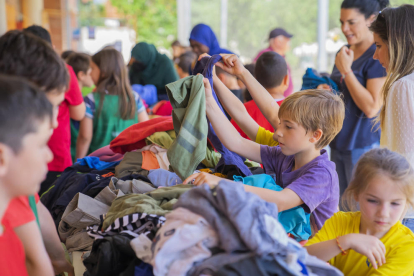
(134, 136)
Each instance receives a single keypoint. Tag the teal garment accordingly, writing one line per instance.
(108, 124)
(32, 203)
(295, 221)
(159, 69)
(188, 100)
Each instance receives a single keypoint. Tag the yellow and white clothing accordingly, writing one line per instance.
(399, 245)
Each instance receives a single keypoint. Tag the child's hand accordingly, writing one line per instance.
(231, 64)
(324, 86)
(203, 55)
(198, 179)
(207, 88)
(369, 246)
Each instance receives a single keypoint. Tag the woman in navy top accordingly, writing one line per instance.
(359, 78)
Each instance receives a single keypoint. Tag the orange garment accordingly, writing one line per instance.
(149, 161)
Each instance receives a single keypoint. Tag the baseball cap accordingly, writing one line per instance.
(279, 31)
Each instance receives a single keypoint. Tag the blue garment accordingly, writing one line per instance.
(203, 34)
(161, 177)
(357, 129)
(345, 162)
(295, 220)
(147, 92)
(95, 163)
(312, 79)
(409, 222)
(205, 67)
(143, 269)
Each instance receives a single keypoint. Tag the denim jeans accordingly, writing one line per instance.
(345, 162)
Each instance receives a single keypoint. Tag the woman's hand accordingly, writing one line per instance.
(344, 60)
(198, 179)
(366, 245)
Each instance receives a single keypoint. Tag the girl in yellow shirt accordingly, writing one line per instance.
(371, 241)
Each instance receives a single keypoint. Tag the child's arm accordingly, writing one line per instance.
(267, 105)
(37, 260)
(84, 137)
(236, 109)
(77, 112)
(367, 245)
(285, 199)
(143, 116)
(52, 242)
(226, 132)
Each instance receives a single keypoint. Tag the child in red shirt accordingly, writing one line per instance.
(271, 72)
(23, 144)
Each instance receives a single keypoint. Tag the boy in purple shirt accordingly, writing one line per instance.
(309, 120)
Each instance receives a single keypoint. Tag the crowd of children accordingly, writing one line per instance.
(87, 162)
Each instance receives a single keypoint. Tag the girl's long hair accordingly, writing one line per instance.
(395, 26)
(113, 80)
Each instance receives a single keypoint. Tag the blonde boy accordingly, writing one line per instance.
(309, 120)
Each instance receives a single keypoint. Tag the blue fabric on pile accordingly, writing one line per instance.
(95, 163)
(295, 221)
(147, 92)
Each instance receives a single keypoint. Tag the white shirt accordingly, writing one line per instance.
(398, 131)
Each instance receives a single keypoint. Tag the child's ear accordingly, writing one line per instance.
(316, 136)
(286, 80)
(80, 75)
(4, 159)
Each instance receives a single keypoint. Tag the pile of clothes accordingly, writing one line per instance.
(127, 206)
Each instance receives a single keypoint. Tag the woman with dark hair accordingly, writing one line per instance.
(359, 78)
(147, 66)
(394, 37)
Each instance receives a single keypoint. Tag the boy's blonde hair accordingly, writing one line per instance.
(315, 109)
(379, 161)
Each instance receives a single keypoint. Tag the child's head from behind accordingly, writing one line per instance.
(383, 186)
(271, 71)
(183, 64)
(81, 64)
(110, 76)
(25, 129)
(309, 119)
(25, 55)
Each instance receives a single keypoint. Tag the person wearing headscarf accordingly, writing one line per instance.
(203, 40)
(147, 66)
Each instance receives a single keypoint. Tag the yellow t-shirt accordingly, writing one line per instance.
(399, 245)
(265, 137)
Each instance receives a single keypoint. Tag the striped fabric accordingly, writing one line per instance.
(132, 225)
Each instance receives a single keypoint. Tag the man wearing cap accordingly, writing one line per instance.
(279, 42)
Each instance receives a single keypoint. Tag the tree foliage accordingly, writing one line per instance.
(155, 21)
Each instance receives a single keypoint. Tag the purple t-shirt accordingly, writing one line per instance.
(316, 183)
